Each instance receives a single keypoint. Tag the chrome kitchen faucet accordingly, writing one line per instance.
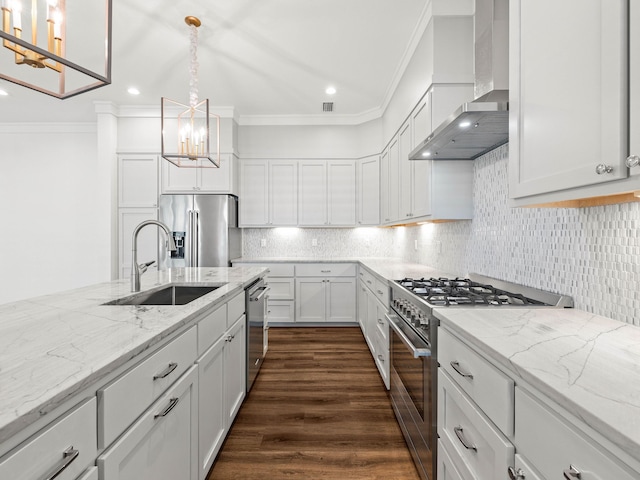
(137, 270)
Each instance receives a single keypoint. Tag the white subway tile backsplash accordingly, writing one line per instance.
(592, 254)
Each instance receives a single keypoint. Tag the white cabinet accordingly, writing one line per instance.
(385, 206)
(269, 193)
(69, 444)
(568, 100)
(369, 191)
(235, 359)
(325, 293)
(634, 82)
(137, 180)
(200, 180)
(163, 443)
(571, 454)
(393, 189)
(327, 193)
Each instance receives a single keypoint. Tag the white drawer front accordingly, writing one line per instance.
(468, 434)
(235, 308)
(487, 386)
(281, 311)
(281, 270)
(122, 401)
(90, 474)
(526, 471)
(368, 279)
(326, 270)
(382, 291)
(211, 327)
(45, 450)
(382, 325)
(564, 445)
(381, 356)
(448, 469)
(281, 288)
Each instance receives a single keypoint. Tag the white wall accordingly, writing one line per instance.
(53, 195)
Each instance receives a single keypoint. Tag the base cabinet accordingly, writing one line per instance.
(163, 442)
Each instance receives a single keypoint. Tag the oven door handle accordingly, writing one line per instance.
(416, 351)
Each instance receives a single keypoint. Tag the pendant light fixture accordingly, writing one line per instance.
(190, 133)
(66, 42)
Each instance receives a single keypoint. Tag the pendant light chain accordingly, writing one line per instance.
(193, 66)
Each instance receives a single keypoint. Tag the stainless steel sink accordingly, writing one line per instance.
(171, 295)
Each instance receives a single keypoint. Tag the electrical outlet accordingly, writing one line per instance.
(263, 242)
(314, 242)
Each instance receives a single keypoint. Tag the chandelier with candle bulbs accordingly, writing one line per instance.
(37, 34)
(190, 133)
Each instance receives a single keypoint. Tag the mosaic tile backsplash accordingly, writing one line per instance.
(591, 254)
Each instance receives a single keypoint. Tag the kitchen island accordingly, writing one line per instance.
(59, 348)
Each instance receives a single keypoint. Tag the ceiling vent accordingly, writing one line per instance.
(327, 107)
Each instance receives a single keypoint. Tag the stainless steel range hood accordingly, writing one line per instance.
(478, 127)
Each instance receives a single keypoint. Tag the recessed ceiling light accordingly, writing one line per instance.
(330, 90)
(426, 154)
(3, 93)
(133, 91)
(465, 124)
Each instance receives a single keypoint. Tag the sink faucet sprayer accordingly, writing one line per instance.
(137, 270)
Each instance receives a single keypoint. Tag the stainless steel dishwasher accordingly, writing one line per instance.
(256, 309)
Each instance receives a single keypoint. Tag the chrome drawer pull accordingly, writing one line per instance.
(68, 456)
(369, 282)
(166, 372)
(456, 367)
(572, 473)
(172, 403)
(463, 441)
(380, 321)
(325, 271)
(516, 474)
(381, 358)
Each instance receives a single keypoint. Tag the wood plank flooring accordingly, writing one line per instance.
(318, 410)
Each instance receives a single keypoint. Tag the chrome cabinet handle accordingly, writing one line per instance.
(572, 473)
(325, 271)
(516, 474)
(633, 161)
(380, 292)
(166, 372)
(460, 434)
(602, 168)
(380, 321)
(68, 456)
(172, 403)
(381, 358)
(456, 367)
(369, 282)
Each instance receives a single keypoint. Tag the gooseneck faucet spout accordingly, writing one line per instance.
(137, 270)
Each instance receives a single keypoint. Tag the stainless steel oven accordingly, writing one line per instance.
(414, 369)
(255, 308)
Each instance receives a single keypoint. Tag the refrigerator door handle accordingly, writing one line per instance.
(196, 224)
(189, 260)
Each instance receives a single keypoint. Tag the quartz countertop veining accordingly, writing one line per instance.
(54, 346)
(588, 364)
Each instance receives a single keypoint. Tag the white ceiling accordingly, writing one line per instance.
(272, 58)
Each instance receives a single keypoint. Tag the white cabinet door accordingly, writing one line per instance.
(385, 213)
(394, 181)
(568, 101)
(254, 205)
(421, 187)
(341, 299)
(235, 365)
(178, 180)
(128, 220)
(406, 171)
(369, 192)
(310, 299)
(283, 193)
(312, 193)
(137, 181)
(212, 417)
(363, 309)
(217, 180)
(341, 193)
(163, 443)
(198, 180)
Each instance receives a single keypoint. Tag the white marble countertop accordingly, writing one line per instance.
(54, 346)
(388, 268)
(588, 364)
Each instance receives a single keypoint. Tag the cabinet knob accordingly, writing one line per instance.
(516, 474)
(633, 161)
(602, 168)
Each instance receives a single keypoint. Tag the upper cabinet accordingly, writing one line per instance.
(200, 180)
(269, 193)
(570, 95)
(369, 191)
(327, 193)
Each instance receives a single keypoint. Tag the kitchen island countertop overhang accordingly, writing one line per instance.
(55, 346)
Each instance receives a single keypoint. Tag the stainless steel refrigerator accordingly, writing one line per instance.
(204, 227)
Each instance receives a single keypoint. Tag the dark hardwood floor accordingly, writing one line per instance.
(318, 410)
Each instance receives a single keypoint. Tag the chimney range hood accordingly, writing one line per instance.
(479, 126)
